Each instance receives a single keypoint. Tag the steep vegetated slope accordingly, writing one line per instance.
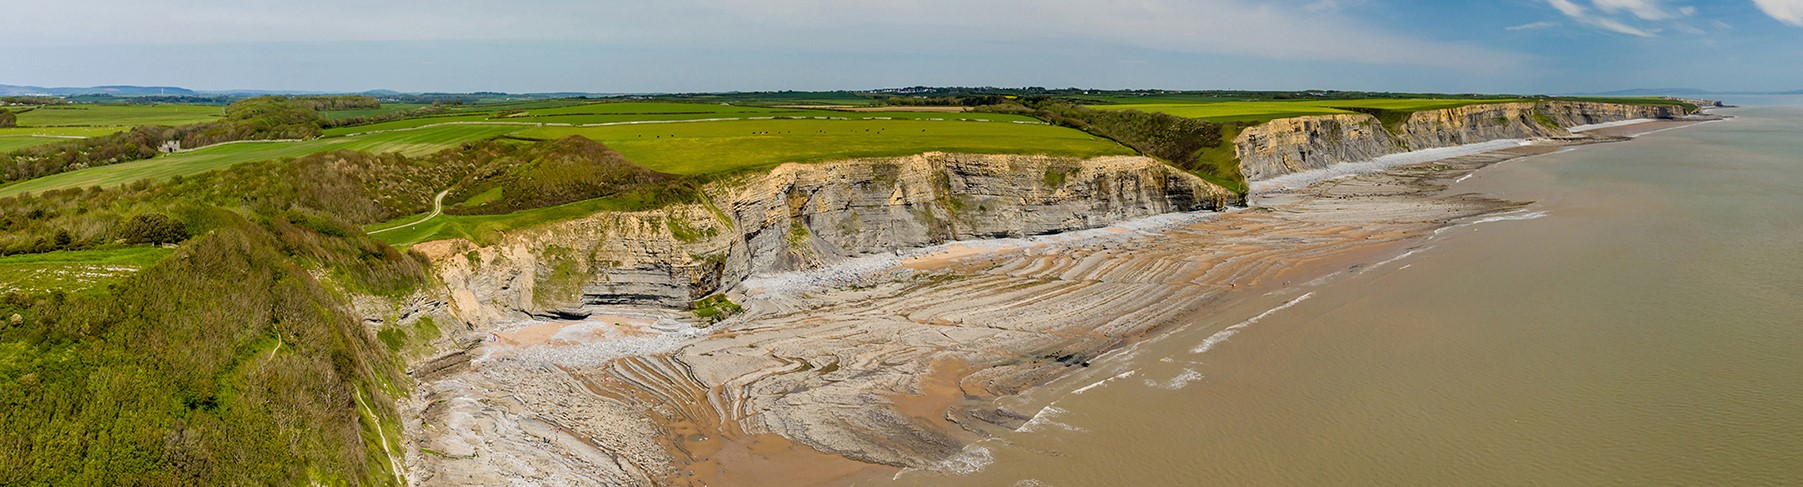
(228, 363)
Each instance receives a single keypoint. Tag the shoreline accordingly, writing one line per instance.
(833, 376)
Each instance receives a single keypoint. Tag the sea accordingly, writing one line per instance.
(1639, 324)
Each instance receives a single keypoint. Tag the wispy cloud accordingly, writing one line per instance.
(1609, 14)
(1786, 11)
(1645, 9)
(1531, 26)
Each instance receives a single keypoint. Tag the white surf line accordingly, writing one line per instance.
(1393, 260)
(1225, 333)
(1517, 215)
(1303, 179)
(437, 208)
(1102, 382)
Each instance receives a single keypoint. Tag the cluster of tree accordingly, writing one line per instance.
(1182, 142)
(31, 100)
(425, 111)
(264, 118)
(559, 171)
(330, 103)
(8, 119)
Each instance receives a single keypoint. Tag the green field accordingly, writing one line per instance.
(9, 143)
(715, 147)
(74, 271)
(65, 131)
(628, 112)
(411, 142)
(121, 116)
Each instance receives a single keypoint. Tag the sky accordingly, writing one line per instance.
(639, 46)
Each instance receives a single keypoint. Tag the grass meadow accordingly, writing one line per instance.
(719, 147)
(118, 116)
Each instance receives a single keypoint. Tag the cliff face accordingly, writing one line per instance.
(800, 216)
(1292, 145)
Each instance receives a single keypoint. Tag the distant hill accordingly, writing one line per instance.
(120, 90)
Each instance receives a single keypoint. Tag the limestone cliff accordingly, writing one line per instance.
(1291, 145)
(801, 216)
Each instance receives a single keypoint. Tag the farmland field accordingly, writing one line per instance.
(10, 143)
(715, 147)
(60, 131)
(410, 142)
(629, 112)
(120, 116)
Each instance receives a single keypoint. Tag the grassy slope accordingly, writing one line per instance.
(715, 147)
(411, 142)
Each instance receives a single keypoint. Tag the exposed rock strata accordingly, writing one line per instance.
(801, 216)
(1299, 144)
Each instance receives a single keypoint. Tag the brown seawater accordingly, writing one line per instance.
(1641, 323)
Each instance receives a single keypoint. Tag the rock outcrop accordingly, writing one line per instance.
(1299, 144)
(801, 216)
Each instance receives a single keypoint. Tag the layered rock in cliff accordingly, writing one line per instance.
(801, 216)
(1298, 144)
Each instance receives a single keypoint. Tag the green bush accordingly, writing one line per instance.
(153, 228)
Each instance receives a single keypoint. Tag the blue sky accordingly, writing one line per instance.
(1517, 46)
